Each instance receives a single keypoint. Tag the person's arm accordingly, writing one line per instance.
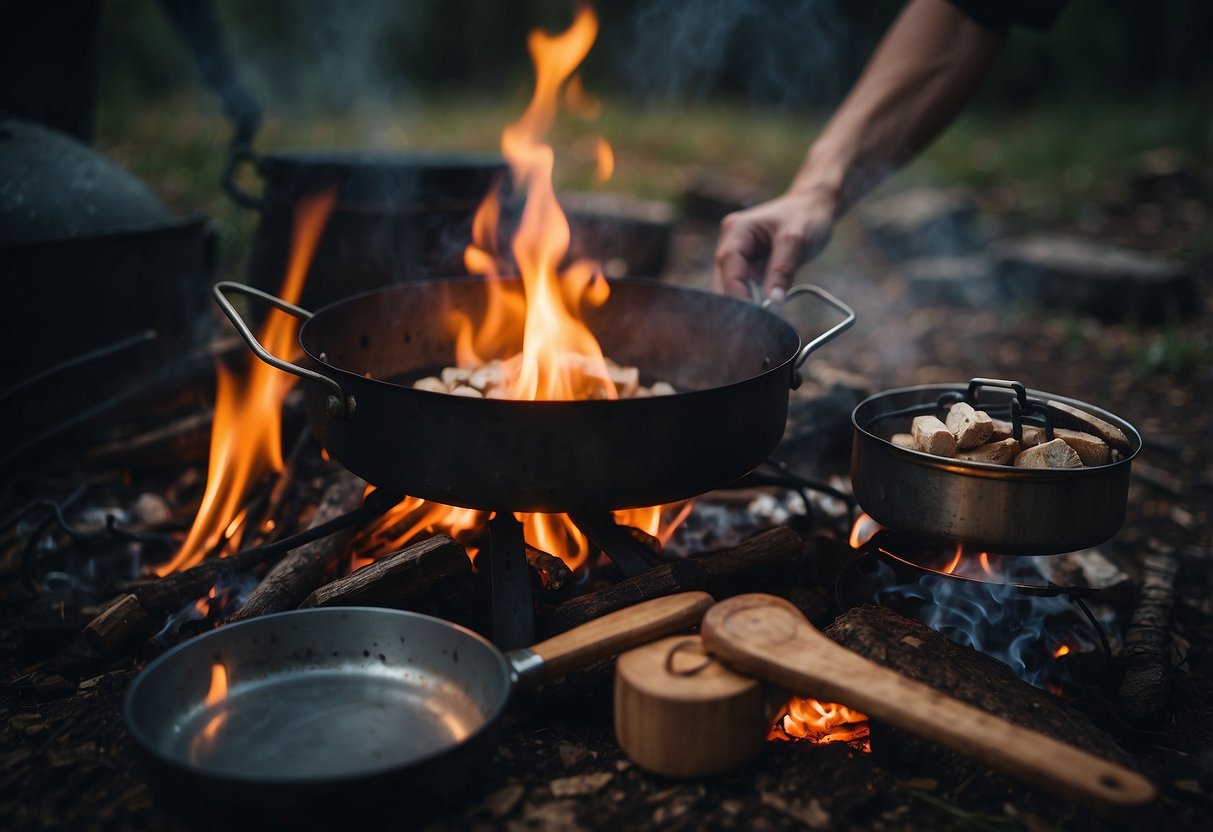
(925, 68)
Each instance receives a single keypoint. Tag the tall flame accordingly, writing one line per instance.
(246, 435)
(547, 351)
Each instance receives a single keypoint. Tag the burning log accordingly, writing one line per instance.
(1146, 684)
(397, 579)
(742, 568)
(296, 575)
(926, 656)
(552, 572)
(130, 616)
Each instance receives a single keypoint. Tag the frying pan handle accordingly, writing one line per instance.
(838, 328)
(338, 405)
(609, 635)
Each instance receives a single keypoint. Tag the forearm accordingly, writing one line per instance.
(922, 73)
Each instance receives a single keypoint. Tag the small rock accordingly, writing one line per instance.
(1055, 271)
(623, 765)
(580, 784)
(571, 754)
(811, 814)
(151, 509)
(501, 802)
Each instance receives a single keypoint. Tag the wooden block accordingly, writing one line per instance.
(970, 427)
(933, 436)
(1090, 449)
(995, 453)
(1055, 454)
(905, 440)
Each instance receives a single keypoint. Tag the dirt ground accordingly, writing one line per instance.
(65, 761)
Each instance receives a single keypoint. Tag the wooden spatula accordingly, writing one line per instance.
(768, 638)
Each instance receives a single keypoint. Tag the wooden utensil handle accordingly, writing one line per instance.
(621, 630)
(769, 638)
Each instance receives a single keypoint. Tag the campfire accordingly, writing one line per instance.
(317, 498)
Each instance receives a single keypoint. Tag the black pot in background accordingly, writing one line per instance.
(400, 216)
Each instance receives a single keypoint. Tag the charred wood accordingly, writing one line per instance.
(181, 442)
(399, 578)
(753, 564)
(300, 572)
(1146, 685)
(920, 653)
(551, 572)
(130, 616)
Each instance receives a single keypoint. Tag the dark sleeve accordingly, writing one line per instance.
(1002, 14)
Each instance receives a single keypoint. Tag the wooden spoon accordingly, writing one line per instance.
(768, 638)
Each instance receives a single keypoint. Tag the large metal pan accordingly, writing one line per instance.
(735, 362)
(331, 715)
(994, 508)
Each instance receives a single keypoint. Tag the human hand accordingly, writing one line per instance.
(765, 244)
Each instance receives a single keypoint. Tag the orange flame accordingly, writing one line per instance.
(579, 102)
(820, 723)
(1062, 650)
(246, 435)
(606, 160)
(217, 693)
(545, 349)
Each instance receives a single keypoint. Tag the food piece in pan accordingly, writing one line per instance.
(1090, 449)
(933, 436)
(1055, 454)
(1032, 435)
(995, 453)
(905, 440)
(1106, 431)
(970, 427)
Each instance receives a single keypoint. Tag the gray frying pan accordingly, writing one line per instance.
(326, 715)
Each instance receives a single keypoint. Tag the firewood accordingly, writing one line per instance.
(905, 440)
(1090, 449)
(970, 427)
(1055, 454)
(933, 436)
(750, 565)
(129, 616)
(1146, 685)
(994, 453)
(552, 572)
(180, 442)
(1106, 431)
(926, 656)
(296, 575)
(398, 578)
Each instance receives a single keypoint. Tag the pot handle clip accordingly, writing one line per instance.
(829, 334)
(338, 405)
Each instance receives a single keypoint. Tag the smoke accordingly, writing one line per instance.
(778, 52)
(1022, 630)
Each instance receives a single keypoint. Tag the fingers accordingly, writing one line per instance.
(731, 267)
(782, 234)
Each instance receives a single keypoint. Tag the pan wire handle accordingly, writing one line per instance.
(829, 334)
(338, 405)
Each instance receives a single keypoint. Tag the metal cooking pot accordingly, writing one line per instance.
(399, 216)
(995, 508)
(327, 717)
(735, 362)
